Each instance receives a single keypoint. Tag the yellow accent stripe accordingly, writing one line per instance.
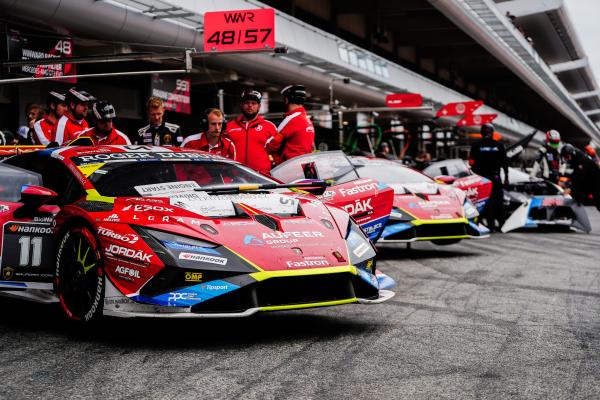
(93, 195)
(261, 276)
(245, 259)
(443, 237)
(418, 222)
(248, 187)
(309, 305)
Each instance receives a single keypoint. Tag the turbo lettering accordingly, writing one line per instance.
(130, 238)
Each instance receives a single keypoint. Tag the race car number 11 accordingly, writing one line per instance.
(239, 30)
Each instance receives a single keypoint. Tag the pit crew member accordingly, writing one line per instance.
(547, 164)
(73, 121)
(585, 175)
(158, 132)
(487, 158)
(296, 133)
(211, 138)
(103, 131)
(250, 132)
(44, 130)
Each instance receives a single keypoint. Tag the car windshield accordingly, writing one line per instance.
(158, 178)
(391, 173)
(455, 168)
(330, 165)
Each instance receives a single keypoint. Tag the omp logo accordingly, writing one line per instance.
(193, 276)
(251, 240)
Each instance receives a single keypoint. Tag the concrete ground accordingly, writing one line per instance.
(515, 316)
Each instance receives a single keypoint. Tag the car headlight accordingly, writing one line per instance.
(170, 247)
(359, 246)
(470, 210)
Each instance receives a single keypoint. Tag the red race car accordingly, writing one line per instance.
(168, 232)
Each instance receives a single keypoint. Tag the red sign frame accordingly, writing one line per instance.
(460, 108)
(476, 119)
(239, 30)
(403, 100)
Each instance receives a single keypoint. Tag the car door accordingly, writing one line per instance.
(368, 201)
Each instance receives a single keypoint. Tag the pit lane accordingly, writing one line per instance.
(517, 315)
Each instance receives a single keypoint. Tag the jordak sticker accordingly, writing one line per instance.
(202, 258)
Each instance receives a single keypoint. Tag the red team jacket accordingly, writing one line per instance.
(115, 137)
(224, 148)
(249, 138)
(68, 128)
(44, 131)
(297, 132)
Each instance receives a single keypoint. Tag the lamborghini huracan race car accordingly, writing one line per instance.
(167, 232)
(528, 202)
(423, 209)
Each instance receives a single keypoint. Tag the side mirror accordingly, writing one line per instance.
(447, 179)
(33, 197)
(310, 170)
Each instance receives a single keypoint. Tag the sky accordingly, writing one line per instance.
(585, 16)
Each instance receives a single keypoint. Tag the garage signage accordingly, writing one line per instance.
(403, 100)
(461, 108)
(239, 30)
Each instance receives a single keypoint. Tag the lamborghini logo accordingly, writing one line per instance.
(8, 273)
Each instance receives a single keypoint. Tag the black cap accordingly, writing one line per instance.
(568, 149)
(487, 129)
(103, 110)
(54, 98)
(78, 96)
(295, 93)
(251, 95)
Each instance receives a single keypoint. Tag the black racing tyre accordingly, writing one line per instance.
(445, 242)
(79, 276)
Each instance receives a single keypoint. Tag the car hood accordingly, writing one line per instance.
(429, 200)
(271, 232)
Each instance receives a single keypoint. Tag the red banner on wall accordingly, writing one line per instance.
(174, 92)
(239, 30)
(403, 100)
(461, 108)
(476, 119)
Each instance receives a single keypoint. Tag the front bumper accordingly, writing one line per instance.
(247, 294)
(423, 230)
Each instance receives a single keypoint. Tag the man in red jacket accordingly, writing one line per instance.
(73, 121)
(296, 134)
(211, 140)
(250, 132)
(103, 132)
(44, 130)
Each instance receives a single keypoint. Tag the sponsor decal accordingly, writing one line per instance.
(174, 297)
(8, 273)
(193, 276)
(202, 258)
(358, 189)
(251, 240)
(373, 228)
(129, 253)
(127, 272)
(22, 228)
(112, 218)
(359, 206)
(130, 238)
(292, 234)
(146, 207)
(209, 287)
(4, 208)
(553, 202)
(142, 156)
(361, 249)
(166, 188)
(472, 192)
(308, 262)
(190, 247)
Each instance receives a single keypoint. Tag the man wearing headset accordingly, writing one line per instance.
(211, 140)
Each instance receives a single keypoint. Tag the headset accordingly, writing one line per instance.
(204, 121)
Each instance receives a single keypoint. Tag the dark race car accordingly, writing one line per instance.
(423, 209)
(529, 202)
(166, 232)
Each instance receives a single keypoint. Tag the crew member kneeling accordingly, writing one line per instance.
(211, 140)
(103, 131)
